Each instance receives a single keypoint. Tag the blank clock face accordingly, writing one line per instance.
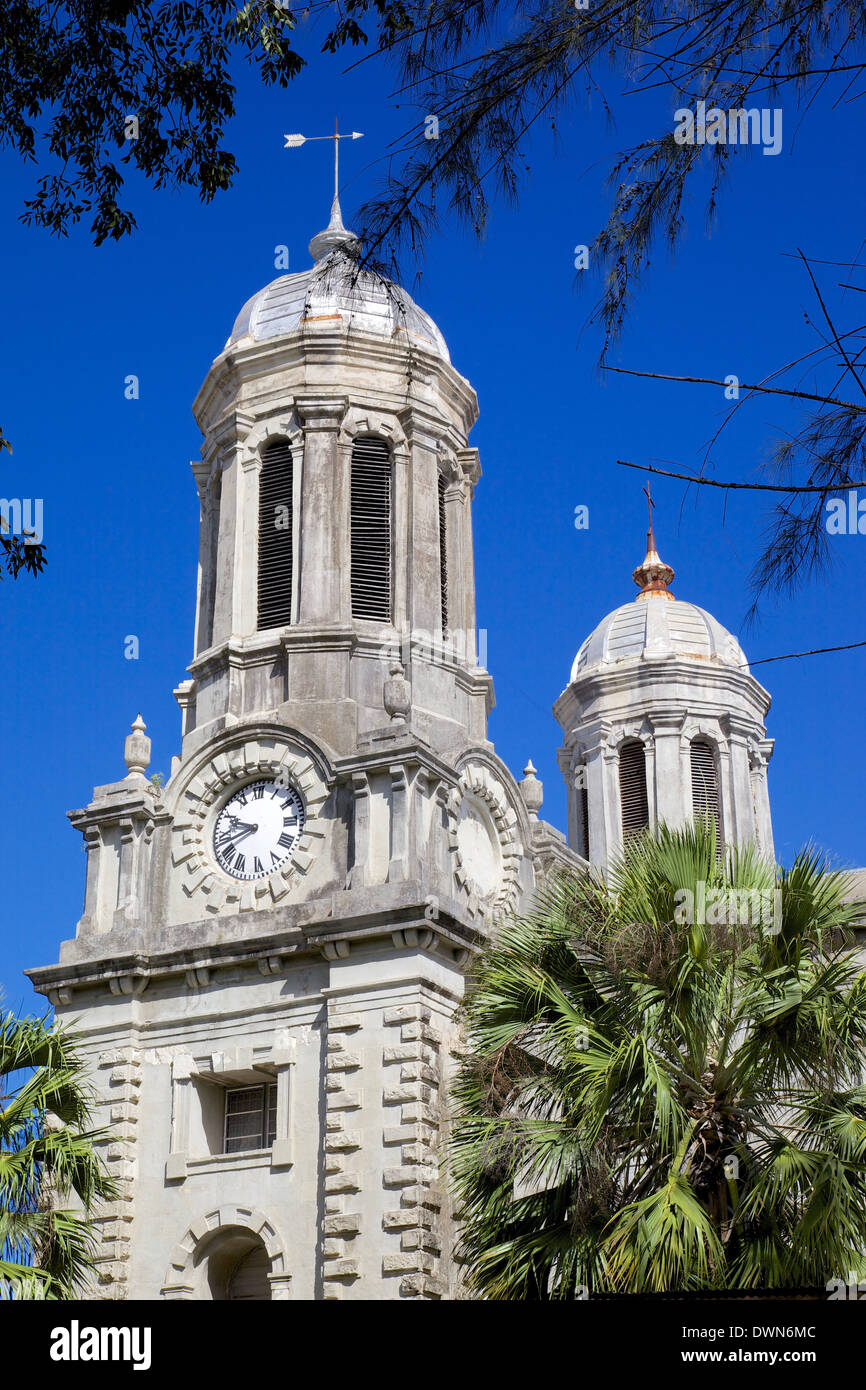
(257, 829)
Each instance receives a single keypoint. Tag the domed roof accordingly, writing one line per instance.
(656, 630)
(656, 625)
(336, 288)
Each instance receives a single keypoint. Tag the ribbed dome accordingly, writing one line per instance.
(658, 629)
(335, 288)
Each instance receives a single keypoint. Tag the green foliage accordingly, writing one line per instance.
(47, 1161)
(71, 75)
(492, 73)
(648, 1104)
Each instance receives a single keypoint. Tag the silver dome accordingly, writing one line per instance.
(335, 288)
(658, 627)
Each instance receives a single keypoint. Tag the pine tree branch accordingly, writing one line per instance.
(750, 487)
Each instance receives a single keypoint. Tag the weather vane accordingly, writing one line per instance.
(292, 141)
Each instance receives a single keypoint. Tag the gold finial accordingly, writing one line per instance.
(653, 576)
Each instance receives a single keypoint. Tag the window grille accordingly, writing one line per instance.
(443, 556)
(632, 789)
(276, 521)
(705, 785)
(584, 820)
(250, 1118)
(371, 529)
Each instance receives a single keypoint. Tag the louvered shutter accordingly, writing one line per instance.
(249, 1279)
(584, 817)
(632, 789)
(705, 785)
(276, 519)
(371, 529)
(443, 556)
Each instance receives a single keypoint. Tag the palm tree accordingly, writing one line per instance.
(650, 1102)
(46, 1157)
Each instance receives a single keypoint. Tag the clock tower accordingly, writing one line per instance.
(273, 944)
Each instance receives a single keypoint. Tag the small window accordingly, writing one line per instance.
(251, 1119)
(632, 789)
(705, 785)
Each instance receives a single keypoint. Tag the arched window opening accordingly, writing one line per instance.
(237, 1267)
(705, 785)
(443, 555)
(276, 522)
(371, 529)
(632, 789)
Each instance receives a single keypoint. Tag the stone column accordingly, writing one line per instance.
(760, 753)
(207, 486)
(469, 462)
(324, 537)
(235, 566)
(424, 604)
(742, 811)
(670, 804)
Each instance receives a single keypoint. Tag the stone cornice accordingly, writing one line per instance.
(631, 677)
(345, 922)
(331, 348)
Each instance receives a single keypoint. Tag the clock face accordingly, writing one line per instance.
(257, 829)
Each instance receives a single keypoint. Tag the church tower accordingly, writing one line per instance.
(273, 944)
(663, 721)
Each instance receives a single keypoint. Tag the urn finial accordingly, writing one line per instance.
(397, 694)
(532, 791)
(136, 749)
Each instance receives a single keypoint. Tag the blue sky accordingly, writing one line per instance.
(120, 505)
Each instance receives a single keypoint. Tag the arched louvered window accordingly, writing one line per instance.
(705, 785)
(371, 529)
(632, 789)
(276, 522)
(443, 555)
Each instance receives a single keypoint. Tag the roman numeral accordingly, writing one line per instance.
(228, 858)
(274, 858)
(240, 864)
(257, 866)
(258, 792)
(286, 841)
(290, 820)
(288, 804)
(225, 838)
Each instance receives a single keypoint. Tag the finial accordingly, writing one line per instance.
(397, 694)
(532, 791)
(136, 749)
(653, 576)
(335, 234)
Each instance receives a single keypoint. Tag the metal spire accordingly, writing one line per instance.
(653, 576)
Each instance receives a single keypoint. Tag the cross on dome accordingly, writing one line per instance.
(653, 576)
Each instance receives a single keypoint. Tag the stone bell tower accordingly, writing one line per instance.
(273, 944)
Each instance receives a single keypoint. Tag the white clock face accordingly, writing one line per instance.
(257, 829)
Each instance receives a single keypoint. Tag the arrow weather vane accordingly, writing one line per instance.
(292, 141)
